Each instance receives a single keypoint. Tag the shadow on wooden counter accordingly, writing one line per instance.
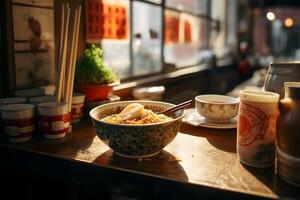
(224, 140)
(159, 165)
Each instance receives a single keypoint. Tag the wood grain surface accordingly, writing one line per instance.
(199, 161)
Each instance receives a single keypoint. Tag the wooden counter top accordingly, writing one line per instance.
(198, 162)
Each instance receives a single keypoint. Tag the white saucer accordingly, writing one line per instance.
(195, 119)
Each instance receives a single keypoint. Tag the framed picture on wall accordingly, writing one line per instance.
(33, 43)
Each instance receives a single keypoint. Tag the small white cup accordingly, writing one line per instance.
(217, 108)
(18, 121)
(54, 119)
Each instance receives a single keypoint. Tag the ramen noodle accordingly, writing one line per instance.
(136, 114)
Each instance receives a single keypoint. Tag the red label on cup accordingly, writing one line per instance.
(53, 125)
(18, 128)
(77, 111)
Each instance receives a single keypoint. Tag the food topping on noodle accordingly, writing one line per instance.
(135, 113)
(132, 111)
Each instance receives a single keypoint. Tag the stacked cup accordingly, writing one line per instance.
(52, 119)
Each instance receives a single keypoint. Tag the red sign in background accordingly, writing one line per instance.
(105, 21)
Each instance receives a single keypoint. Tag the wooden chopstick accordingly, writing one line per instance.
(65, 49)
(75, 56)
(61, 78)
(70, 64)
(74, 47)
(61, 32)
(177, 107)
(67, 72)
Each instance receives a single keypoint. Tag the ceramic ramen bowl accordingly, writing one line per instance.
(131, 140)
(217, 108)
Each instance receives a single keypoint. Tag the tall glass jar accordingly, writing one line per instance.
(280, 72)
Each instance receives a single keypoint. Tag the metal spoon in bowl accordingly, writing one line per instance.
(176, 108)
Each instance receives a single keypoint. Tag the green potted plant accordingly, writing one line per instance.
(92, 77)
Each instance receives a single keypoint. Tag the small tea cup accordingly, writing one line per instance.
(217, 108)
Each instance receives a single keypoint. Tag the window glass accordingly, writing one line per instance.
(195, 6)
(218, 27)
(146, 38)
(139, 52)
(116, 54)
(110, 27)
(182, 39)
(203, 37)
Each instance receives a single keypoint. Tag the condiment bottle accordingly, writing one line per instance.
(288, 134)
